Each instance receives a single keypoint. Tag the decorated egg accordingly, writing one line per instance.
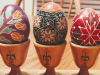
(85, 28)
(50, 25)
(14, 25)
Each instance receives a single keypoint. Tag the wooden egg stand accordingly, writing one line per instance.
(14, 55)
(84, 57)
(50, 56)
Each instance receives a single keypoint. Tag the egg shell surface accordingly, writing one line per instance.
(50, 25)
(14, 25)
(85, 28)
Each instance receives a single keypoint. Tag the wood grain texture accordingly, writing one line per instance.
(77, 6)
(32, 61)
(18, 2)
(61, 72)
(33, 8)
(80, 4)
(70, 6)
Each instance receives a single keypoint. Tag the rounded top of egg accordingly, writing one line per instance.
(51, 7)
(85, 28)
(14, 25)
(50, 25)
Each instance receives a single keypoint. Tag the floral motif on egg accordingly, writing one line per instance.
(14, 25)
(50, 25)
(85, 28)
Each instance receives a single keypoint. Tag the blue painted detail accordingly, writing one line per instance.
(1, 19)
(90, 19)
(76, 33)
(14, 21)
(8, 12)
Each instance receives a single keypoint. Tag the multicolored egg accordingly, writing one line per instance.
(14, 25)
(85, 28)
(50, 25)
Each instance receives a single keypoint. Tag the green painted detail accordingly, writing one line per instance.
(46, 58)
(8, 12)
(1, 19)
(7, 30)
(13, 21)
(11, 58)
(5, 40)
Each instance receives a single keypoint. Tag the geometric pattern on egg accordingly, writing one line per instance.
(50, 25)
(14, 25)
(85, 28)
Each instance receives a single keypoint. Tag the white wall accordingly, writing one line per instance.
(28, 5)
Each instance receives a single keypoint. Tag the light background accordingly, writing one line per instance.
(28, 5)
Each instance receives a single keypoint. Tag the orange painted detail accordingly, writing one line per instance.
(20, 26)
(17, 14)
(51, 7)
(17, 37)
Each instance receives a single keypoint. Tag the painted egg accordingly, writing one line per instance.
(14, 25)
(50, 25)
(85, 28)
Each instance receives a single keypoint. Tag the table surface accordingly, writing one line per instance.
(32, 62)
(41, 72)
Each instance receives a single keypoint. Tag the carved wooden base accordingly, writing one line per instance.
(51, 71)
(17, 71)
(83, 72)
(14, 55)
(84, 57)
(50, 56)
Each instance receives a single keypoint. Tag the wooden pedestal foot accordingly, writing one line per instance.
(83, 72)
(16, 71)
(50, 71)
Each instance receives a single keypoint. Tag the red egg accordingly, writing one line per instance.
(85, 28)
(14, 25)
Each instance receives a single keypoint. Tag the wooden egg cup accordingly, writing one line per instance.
(50, 56)
(14, 55)
(84, 57)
